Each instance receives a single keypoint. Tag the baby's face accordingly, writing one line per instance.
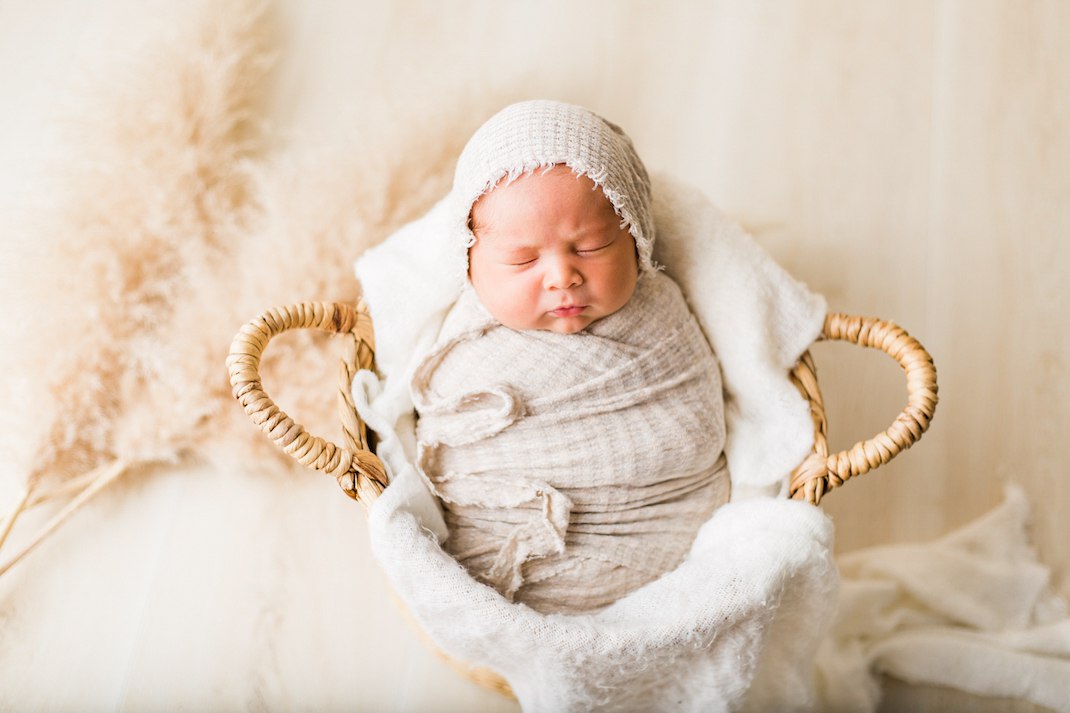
(550, 253)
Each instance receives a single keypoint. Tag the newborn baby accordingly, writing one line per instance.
(570, 414)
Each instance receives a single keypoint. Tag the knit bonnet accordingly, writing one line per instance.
(539, 134)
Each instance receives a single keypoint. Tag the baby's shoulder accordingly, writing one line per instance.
(656, 310)
(657, 293)
(660, 281)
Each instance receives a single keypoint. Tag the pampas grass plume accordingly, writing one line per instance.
(171, 226)
(153, 184)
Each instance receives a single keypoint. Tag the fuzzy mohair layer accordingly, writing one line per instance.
(171, 217)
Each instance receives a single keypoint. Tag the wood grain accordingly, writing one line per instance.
(907, 159)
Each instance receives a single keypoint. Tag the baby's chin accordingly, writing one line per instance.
(569, 325)
(551, 323)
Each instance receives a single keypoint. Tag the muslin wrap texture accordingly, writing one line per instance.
(573, 468)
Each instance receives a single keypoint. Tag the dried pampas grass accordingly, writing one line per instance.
(170, 228)
(155, 185)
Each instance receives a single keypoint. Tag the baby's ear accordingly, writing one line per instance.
(473, 226)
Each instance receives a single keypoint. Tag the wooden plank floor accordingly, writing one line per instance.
(190, 589)
(908, 159)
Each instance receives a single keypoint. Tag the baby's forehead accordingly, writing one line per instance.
(552, 193)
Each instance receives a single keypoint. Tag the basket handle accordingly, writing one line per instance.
(358, 471)
(821, 472)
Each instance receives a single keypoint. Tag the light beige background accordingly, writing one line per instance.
(910, 160)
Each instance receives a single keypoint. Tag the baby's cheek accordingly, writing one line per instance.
(524, 297)
(499, 293)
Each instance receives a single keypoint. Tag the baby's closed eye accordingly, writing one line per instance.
(590, 250)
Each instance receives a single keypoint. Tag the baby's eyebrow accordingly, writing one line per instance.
(504, 246)
(502, 243)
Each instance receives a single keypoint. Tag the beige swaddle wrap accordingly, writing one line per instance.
(573, 469)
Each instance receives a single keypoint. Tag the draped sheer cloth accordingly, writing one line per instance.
(573, 468)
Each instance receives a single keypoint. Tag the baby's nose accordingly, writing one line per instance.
(561, 274)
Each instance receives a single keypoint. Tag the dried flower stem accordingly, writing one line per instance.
(9, 519)
(67, 487)
(104, 475)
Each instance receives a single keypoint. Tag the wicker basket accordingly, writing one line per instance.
(362, 476)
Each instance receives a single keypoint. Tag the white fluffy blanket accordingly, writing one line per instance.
(740, 623)
(751, 594)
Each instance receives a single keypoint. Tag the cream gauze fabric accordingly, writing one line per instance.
(573, 468)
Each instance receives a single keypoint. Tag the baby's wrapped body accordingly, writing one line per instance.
(573, 468)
